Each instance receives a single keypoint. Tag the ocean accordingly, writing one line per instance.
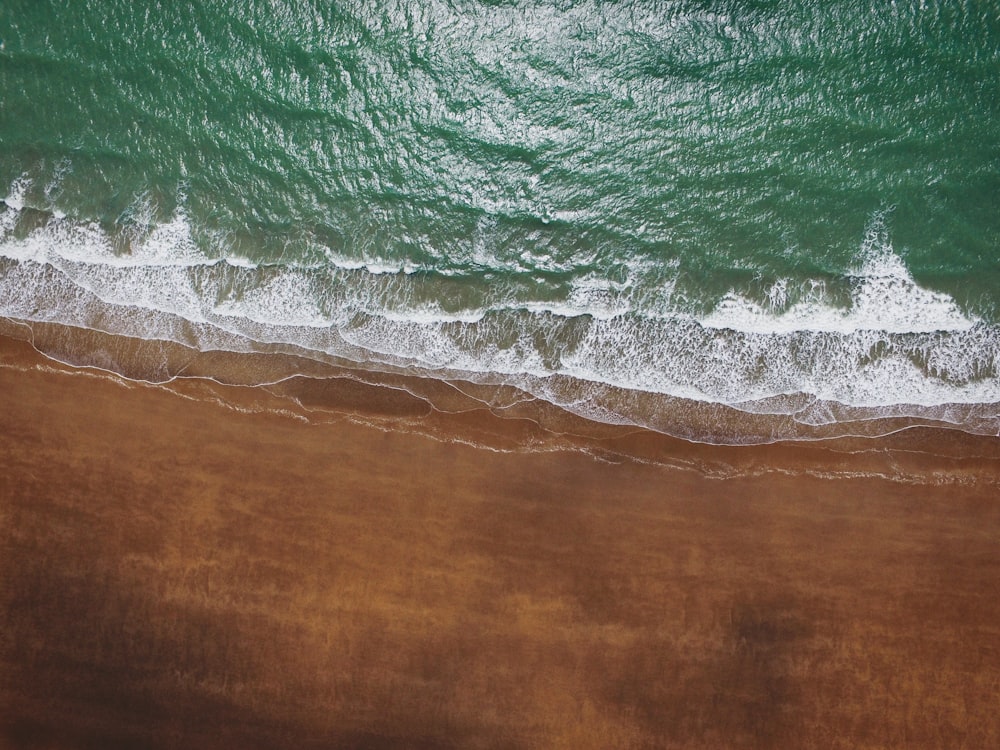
(732, 222)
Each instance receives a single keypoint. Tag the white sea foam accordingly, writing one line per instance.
(17, 192)
(897, 349)
(168, 244)
(884, 298)
(428, 314)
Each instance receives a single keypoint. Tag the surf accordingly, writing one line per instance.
(895, 350)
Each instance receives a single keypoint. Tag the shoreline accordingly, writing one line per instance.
(185, 566)
(497, 418)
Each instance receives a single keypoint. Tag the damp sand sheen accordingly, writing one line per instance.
(499, 375)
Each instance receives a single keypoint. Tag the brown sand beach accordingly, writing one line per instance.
(200, 566)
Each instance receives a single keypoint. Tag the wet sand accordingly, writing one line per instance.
(177, 573)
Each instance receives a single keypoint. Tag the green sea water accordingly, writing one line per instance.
(728, 202)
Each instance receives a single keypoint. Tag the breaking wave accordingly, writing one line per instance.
(800, 362)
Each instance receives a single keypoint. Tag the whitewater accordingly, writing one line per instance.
(895, 351)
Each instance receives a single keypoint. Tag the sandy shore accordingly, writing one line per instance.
(178, 573)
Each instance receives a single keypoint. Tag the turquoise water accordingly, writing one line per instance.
(774, 205)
